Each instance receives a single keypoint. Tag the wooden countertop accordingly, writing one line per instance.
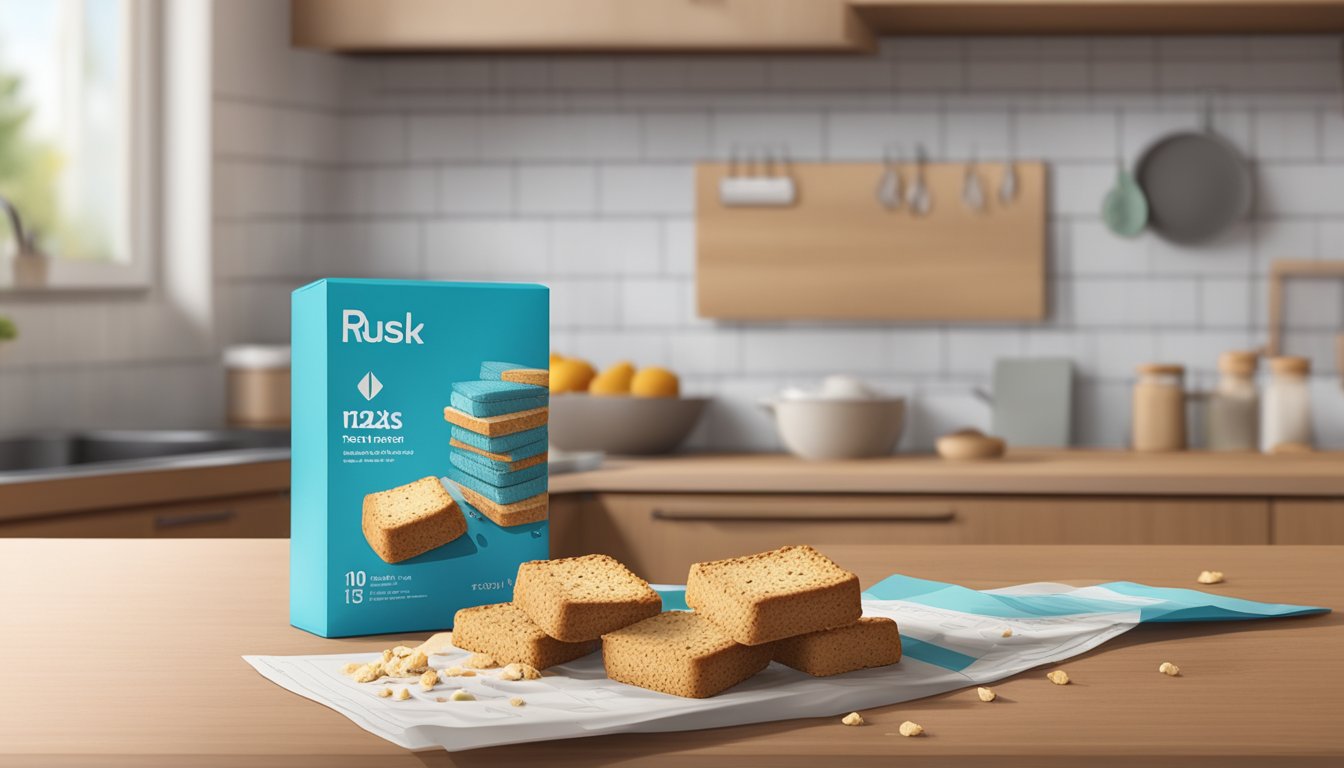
(1023, 472)
(135, 645)
(92, 492)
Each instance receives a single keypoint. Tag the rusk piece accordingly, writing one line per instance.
(508, 495)
(495, 477)
(681, 653)
(497, 426)
(873, 641)
(582, 598)
(537, 377)
(518, 445)
(532, 510)
(487, 408)
(412, 519)
(503, 632)
(497, 461)
(772, 595)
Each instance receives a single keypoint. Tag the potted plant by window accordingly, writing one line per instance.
(7, 329)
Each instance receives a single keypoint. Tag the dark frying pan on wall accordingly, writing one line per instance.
(1197, 184)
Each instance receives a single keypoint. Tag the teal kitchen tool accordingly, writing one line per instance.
(1125, 209)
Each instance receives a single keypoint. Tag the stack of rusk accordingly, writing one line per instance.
(560, 609)
(792, 605)
(498, 456)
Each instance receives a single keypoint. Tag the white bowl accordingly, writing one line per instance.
(822, 428)
(622, 424)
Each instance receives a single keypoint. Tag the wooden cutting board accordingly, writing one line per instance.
(837, 254)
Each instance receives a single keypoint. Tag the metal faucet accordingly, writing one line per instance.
(30, 264)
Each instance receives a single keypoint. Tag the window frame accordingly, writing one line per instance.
(145, 56)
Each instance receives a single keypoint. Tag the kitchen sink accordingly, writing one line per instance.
(54, 450)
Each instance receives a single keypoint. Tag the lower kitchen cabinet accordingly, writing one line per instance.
(1308, 521)
(255, 516)
(660, 535)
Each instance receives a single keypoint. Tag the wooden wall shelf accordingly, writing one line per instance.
(587, 26)
(837, 254)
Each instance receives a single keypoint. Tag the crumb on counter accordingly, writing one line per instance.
(853, 718)
(986, 694)
(1169, 669)
(1058, 677)
(1210, 577)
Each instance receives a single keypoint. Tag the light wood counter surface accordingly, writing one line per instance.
(131, 650)
(1022, 471)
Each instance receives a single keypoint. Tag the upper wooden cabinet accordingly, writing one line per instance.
(578, 25)
(581, 26)
(1106, 17)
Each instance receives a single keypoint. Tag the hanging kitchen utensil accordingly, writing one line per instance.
(1197, 184)
(1125, 209)
(1008, 184)
(889, 186)
(972, 191)
(765, 184)
(918, 198)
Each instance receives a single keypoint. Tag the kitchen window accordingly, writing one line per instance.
(77, 139)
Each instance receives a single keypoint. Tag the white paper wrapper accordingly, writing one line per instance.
(576, 699)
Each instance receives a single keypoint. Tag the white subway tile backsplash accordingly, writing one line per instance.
(1287, 135)
(676, 136)
(656, 302)
(557, 189)
(1226, 302)
(374, 139)
(777, 351)
(445, 137)
(974, 351)
(605, 247)
(647, 189)
(578, 172)
(798, 133)
(866, 135)
(515, 249)
(1067, 136)
(524, 136)
(476, 189)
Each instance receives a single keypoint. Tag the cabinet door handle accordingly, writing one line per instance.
(193, 518)
(809, 515)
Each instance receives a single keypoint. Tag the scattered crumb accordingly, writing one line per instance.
(986, 694)
(911, 729)
(437, 644)
(367, 673)
(853, 718)
(458, 672)
(1008, 632)
(349, 669)
(413, 665)
(1059, 677)
(384, 693)
(402, 651)
(387, 655)
(516, 702)
(403, 694)
(428, 680)
(1167, 668)
(480, 661)
(1210, 577)
(461, 695)
(520, 672)
(440, 699)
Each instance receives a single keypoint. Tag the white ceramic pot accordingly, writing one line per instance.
(822, 429)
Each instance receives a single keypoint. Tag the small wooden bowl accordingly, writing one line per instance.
(970, 445)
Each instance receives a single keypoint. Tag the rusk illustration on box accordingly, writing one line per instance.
(419, 450)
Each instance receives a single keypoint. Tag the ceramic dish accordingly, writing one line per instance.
(621, 424)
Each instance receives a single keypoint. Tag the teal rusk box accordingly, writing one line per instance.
(374, 368)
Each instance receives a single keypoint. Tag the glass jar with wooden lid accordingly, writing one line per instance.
(1233, 417)
(1159, 408)
(1285, 418)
